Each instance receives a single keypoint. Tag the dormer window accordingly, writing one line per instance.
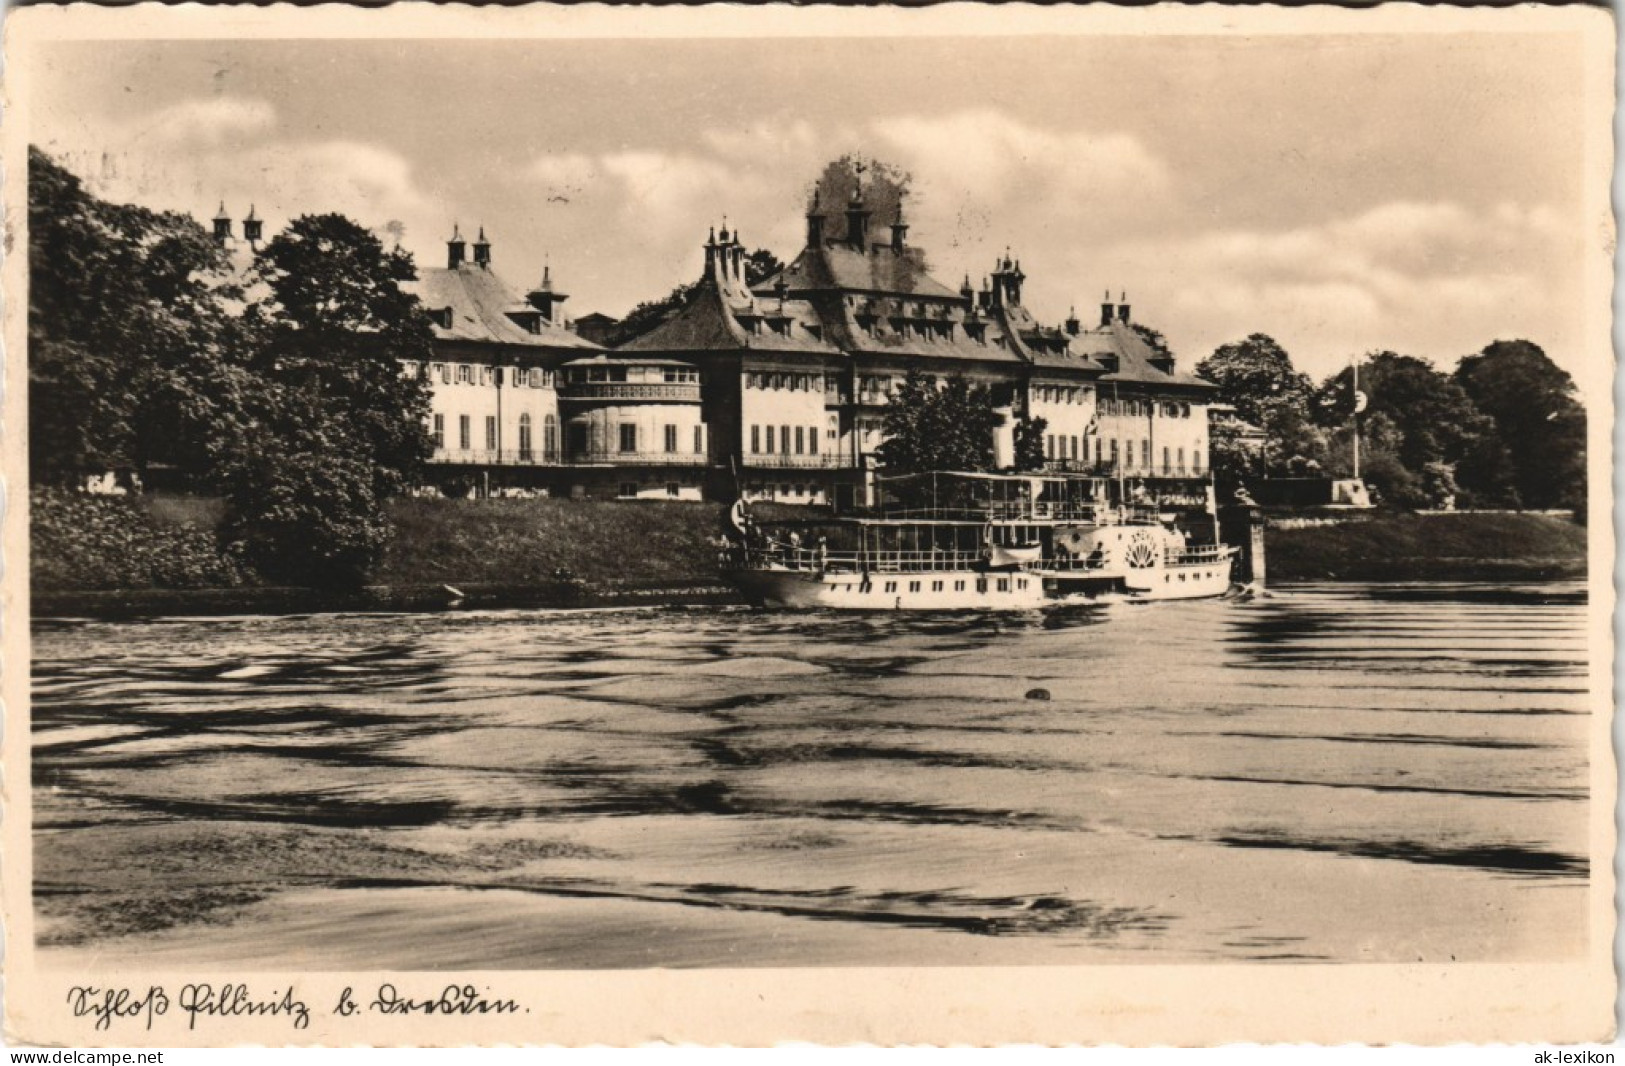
(442, 317)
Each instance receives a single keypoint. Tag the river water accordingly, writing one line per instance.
(1340, 772)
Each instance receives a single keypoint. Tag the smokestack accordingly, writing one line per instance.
(1106, 310)
(482, 251)
(1072, 323)
(456, 248)
(1122, 308)
(815, 224)
(857, 222)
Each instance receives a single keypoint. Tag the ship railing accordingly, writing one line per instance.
(1200, 554)
(877, 562)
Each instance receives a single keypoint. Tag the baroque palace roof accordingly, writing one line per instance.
(851, 296)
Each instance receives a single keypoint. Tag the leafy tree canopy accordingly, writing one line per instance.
(1256, 376)
(1029, 443)
(124, 323)
(938, 427)
(1538, 419)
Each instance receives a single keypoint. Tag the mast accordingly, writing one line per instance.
(1356, 416)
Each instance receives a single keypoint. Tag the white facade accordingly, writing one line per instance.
(484, 414)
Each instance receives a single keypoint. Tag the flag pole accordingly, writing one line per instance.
(1356, 360)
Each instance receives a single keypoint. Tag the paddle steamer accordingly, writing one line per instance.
(953, 541)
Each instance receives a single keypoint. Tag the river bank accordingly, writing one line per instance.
(157, 555)
(1385, 546)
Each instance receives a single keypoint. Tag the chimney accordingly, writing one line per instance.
(815, 224)
(1106, 310)
(857, 221)
(967, 292)
(222, 224)
(899, 230)
(1072, 323)
(456, 248)
(253, 229)
(543, 298)
(710, 250)
(1122, 308)
(482, 251)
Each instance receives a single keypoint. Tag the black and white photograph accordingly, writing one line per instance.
(994, 523)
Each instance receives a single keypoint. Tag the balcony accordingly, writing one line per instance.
(613, 458)
(494, 457)
(600, 391)
(1105, 468)
(780, 461)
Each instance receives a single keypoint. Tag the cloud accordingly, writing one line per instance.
(211, 122)
(1437, 280)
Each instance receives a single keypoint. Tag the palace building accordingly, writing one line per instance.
(780, 390)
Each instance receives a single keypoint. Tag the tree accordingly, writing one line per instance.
(127, 332)
(760, 265)
(884, 189)
(1257, 378)
(1539, 422)
(1431, 425)
(1029, 443)
(339, 428)
(931, 427)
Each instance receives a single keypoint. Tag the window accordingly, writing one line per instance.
(444, 370)
(409, 369)
(1004, 584)
(1114, 453)
(440, 431)
(1145, 454)
(1167, 463)
(891, 586)
(524, 438)
(936, 586)
(1196, 460)
(812, 440)
(755, 439)
(465, 374)
(550, 438)
(629, 437)
(699, 440)
(628, 490)
(959, 586)
(486, 375)
(1074, 447)
(580, 440)
(770, 440)
(671, 439)
(914, 586)
(801, 441)
(490, 433)
(521, 377)
(784, 439)
(1181, 466)
(981, 584)
(672, 489)
(464, 432)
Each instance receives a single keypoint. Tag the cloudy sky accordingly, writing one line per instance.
(1344, 194)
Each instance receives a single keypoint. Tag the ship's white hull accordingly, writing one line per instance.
(974, 590)
(941, 590)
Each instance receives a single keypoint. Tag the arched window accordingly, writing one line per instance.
(524, 438)
(550, 438)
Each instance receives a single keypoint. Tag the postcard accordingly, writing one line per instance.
(968, 524)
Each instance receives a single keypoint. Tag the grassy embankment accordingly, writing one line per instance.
(155, 554)
(1429, 547)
